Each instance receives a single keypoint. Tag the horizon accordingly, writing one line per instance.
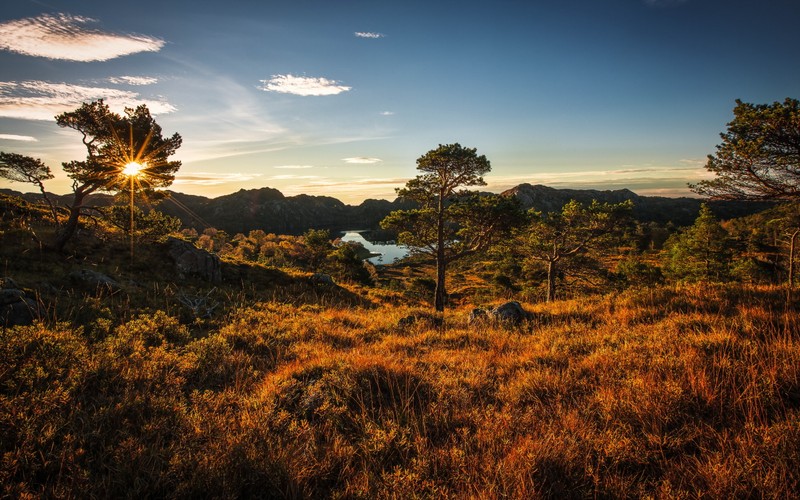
(688, 195)
(340, 101)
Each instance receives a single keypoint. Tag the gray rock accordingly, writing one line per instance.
(93, 281)
(16, 309)
(510, 312)
(10, 296)
(321, 279)
(193, 261)
(7, 283)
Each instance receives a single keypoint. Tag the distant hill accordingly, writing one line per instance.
(680, 211)
(268, 209)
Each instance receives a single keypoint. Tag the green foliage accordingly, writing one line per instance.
(700, 253)
(150, 225)
(564, 240)
(637, 273)
(450, 224)
(759, 157)
(318, 244)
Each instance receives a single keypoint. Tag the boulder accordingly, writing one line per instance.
(93, 281)
(16, 308)
(510, 312)
(193, 261)
(321, 279)
(8, 283)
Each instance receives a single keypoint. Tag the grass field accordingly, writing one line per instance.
(663, 393)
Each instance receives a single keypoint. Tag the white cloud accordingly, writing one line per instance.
(302, 85)
(133, 80)
(37, 100)
(387, 113)
(68, 37)
(293, 167)
(211, 178)
(288, 177)
(368, 34)
(362, 160)
(23, 138)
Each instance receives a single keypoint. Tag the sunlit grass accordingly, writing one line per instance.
(663, 392)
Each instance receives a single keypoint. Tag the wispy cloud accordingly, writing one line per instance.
(289, 177)
(12, 137)
(133, 80)
(387, 113)
(362, 160)
(70, 38)
(368, 34)
(303, 85)
(293, 167)
(212, 178)
(37, 100)
(667, 180)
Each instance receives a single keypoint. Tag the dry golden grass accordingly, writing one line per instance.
(659, 393)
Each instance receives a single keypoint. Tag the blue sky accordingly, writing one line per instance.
(339, 98)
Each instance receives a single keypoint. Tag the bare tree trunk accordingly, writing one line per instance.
(551, 280)
(441, 262)
(792, 248)
(66, 231)
(49, 203)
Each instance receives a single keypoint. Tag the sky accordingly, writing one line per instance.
(340, 97)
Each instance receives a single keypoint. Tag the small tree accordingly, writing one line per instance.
(450, 223)
(318, 244)
(151, 225)
(701, 252)
(113, 141)
(19, 168)
(558, 237)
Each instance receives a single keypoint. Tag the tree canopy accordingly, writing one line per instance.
(556, 237)
(450, 223)
(759, 157)
(113, 141)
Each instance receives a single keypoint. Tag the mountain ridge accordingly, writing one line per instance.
(271, 211)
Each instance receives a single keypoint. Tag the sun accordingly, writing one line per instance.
(133, 168)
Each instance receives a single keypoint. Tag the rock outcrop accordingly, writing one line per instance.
(15, 307)
(509, 313)
(192, 261)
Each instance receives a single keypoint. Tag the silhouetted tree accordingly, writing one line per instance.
(112, 141)
(20, 168)
(450, 224)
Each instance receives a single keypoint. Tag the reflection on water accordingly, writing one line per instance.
(389, 253)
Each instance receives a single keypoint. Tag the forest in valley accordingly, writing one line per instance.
(514, 353)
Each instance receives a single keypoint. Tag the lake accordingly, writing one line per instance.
(389, 253)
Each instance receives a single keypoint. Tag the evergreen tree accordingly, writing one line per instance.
(701, 252)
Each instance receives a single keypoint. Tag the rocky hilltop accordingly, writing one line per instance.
(270, 210)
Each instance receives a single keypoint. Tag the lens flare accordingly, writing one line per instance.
(133, 169)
